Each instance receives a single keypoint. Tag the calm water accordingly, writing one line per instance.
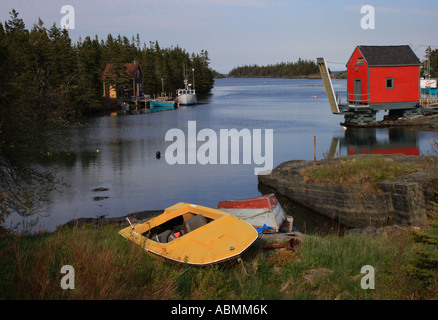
(119, 152)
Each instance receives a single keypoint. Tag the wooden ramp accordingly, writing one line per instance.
(328, 85)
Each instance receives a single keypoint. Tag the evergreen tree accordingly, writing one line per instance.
(434, 63)
(25, 118)
(425, 264)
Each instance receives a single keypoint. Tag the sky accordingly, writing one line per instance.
(246, 32)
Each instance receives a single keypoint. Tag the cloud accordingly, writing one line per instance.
(194, 4)
(418, 12)
(232, 3)
(356, 9)
(422, 12)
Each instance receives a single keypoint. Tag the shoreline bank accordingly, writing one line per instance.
(401, 201)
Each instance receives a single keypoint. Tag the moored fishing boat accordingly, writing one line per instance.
(193, 234)
(263, 212)
(161, 104)
(187, 96)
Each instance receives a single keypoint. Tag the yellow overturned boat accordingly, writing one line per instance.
(193, 234)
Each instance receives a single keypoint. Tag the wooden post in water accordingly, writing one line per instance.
(314, 151)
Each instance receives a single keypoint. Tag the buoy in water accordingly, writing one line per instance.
(158, 154)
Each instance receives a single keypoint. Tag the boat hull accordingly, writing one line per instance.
(161, 105)
(155, 103)
(187, 99)
(258, 211)
(221, 238)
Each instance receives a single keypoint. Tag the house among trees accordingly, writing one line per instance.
(384, 77)
(122, 80)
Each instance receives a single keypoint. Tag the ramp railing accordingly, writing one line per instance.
(328, 85)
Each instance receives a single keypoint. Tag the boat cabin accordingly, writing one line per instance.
(185, 91)
(384, 77)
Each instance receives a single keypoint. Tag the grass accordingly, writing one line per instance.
(356, 170)
(108, 266)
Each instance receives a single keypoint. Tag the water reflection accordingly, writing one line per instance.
(375, 141)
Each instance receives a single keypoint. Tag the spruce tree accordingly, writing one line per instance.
(425, 264)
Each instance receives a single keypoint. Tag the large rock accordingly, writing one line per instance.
(402, 201)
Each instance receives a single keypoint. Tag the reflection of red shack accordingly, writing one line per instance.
(384, 78)
(387, 141)
(407, 150)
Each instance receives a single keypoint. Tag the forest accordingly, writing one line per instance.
(42, 66)
(279, 70)
(305, 68)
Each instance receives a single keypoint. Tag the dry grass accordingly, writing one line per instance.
(356, 170)
(108, 266)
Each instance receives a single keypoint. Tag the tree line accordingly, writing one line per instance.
(279, 70)
(430, 65)
(42, 66)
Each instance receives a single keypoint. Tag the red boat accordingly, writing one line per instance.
(264, 212)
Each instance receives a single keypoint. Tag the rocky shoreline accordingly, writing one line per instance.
(425, 122)
(135, 217)
(403, 201)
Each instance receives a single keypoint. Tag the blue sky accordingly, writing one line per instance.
(239, 32)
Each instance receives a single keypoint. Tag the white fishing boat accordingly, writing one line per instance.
(187, 96)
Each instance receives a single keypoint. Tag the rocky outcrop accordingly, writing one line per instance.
(427, 121)
(402, 201)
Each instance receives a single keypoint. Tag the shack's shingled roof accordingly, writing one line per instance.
(131, 69)
(389, 55)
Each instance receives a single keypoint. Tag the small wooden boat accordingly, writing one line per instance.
(193, 234)
(263, 212)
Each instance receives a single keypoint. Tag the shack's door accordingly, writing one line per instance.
(357, 90)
